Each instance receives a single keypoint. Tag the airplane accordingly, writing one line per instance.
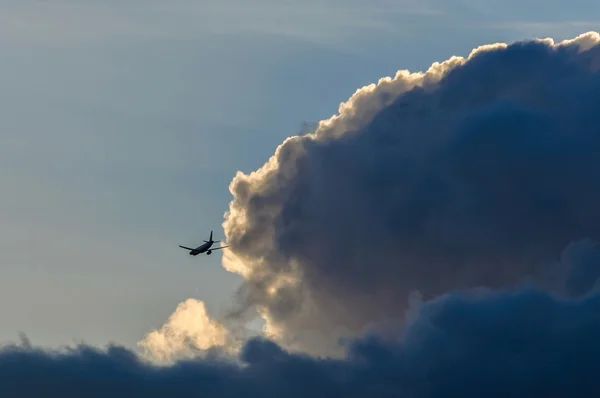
(205, 247)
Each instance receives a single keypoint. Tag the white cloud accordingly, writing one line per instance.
(189, 331)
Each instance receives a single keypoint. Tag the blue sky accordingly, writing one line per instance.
(122, 124)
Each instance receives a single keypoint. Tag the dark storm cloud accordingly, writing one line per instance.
(479, 172)
(522, 343)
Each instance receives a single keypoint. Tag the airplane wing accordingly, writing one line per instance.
(217, 248)
(187, 248)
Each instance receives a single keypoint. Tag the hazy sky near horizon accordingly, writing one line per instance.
(122, 124)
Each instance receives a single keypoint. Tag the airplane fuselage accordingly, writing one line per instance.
(202, 249)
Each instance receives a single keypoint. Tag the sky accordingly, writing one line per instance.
(123, 124)
(436, 232)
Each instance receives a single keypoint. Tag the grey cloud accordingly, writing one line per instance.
(519, 343)
(477, 173)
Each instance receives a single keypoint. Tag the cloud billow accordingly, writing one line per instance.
(479, 172)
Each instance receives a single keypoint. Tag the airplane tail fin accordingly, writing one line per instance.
(210, 239)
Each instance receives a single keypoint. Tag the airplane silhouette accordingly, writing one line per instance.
(205, 247)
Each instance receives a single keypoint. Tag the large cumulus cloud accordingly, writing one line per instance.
(519, 343)
(480, 172)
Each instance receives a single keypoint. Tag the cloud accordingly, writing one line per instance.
(479, 172)
(189, 331)
(519, 343)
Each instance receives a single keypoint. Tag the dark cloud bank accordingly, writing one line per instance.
(520, 344)
(483, 174)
